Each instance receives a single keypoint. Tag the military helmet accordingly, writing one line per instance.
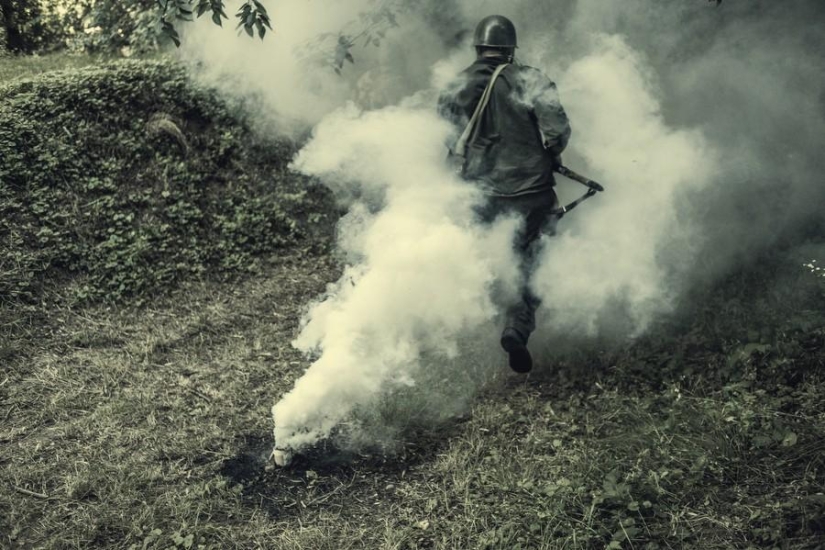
(495, 31)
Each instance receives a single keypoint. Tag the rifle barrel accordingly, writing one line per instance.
(568, 173)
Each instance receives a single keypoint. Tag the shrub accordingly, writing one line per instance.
(127, 178)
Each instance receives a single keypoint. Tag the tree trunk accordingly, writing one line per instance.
(10, 15)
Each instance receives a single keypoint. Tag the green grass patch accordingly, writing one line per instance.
(23, 66)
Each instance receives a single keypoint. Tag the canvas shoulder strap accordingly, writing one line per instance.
(461, 144)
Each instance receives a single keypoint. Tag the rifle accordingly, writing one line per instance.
(592, 188)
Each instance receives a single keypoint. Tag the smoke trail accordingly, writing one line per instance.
(422, 275)
(698, 119)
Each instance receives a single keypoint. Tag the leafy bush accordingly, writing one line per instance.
(127, 178)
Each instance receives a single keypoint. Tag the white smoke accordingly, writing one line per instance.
(421, 276)
(279, 72)
(290, 76)
(423, 271)
(612, 250)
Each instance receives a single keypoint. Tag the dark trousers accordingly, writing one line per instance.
(536, 211)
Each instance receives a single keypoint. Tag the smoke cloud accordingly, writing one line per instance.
(421, 270)
(613, 252)
(274, 74)
(704, 123)
(751, 78)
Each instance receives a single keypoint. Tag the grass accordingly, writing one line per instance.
(126, 417)
(22, 66)
(149, 428)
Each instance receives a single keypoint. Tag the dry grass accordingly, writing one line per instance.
(149, 428)
(124, 417)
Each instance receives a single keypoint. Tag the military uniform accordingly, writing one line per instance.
(511, 155)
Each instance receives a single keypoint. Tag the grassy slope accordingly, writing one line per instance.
(127, 427)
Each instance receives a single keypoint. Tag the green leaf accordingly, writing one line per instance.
(169, 30)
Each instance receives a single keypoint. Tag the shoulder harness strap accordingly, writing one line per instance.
(461, 144)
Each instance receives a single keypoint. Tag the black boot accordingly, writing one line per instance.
(514, 344)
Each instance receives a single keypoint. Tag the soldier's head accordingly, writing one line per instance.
(495, 36)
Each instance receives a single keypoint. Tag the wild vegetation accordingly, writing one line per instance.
(126, 178)
(157, 255)
(145, 26)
